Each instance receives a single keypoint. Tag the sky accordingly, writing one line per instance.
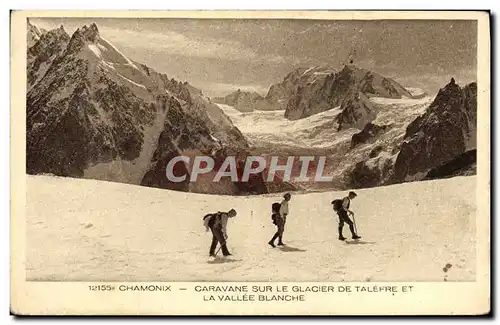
(222, 55)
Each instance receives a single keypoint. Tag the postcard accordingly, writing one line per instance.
(250, 163)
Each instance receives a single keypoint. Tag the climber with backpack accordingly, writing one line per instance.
(279, 213)
(341, 206)
(217, 223)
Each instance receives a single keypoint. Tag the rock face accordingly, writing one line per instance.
(462, 165)
(375, 151)
(445, 131)
(356, 112)
(370, 173)
(282, 92)
(348, 88)
(94, 113)
(369, 131)
(78, 114)
(41, 55)
(436, 143)
(245, 101)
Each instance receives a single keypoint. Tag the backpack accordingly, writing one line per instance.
(276, 207)
(209, 220)
(337, 204)
(275, 212)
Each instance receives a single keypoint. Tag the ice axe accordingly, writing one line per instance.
(354, 222)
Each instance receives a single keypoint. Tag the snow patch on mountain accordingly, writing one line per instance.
(394, 102)
(270, 128)
(94, 48)
(132, 82)
(399, 110)
(308, 70)
(416, 92)
(114, 55)
(102, 54)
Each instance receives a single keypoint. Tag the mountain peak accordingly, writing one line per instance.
(59, 32)
(89, 33)
(452, 86)
(83, 35)
(346, 88)
(33, 33)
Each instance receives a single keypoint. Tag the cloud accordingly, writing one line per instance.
(432, 82)
(247, 53)
(173, 43)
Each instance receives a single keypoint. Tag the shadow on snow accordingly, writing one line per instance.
(220, 260)
(291, 249)
(359, 242)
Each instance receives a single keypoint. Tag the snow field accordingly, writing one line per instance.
(87, 230)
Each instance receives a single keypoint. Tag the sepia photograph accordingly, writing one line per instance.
(244, 149)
